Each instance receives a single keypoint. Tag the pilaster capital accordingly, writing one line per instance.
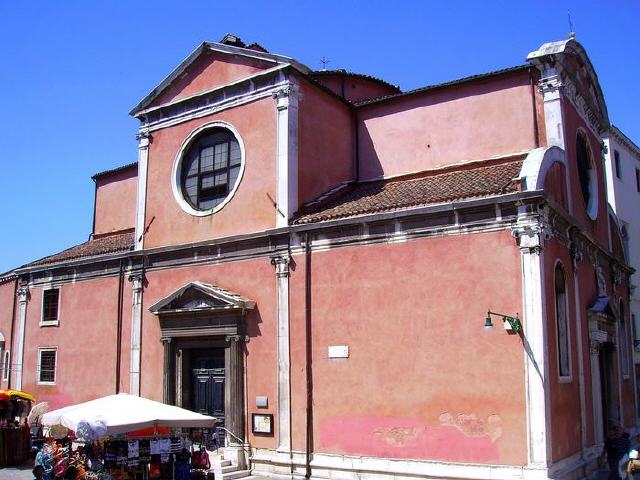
(281, 262)
(144, 139)
(551, 85)
(286, 97)
(166, 341)
(594, 347)
(530, 238)
(23, 294)
(137, 280)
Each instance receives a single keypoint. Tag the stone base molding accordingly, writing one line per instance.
(273, 464)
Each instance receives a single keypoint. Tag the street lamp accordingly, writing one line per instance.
(511, 324)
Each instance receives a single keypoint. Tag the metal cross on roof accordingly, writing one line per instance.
(324, 62)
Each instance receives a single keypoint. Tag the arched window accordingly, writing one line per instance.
(624, 344)
(562, 323)
(587, 175)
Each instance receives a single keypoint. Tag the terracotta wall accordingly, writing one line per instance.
(412, 325)
(210, 70)
(254, 279)
(555, 185)
(564, 393)
(85, 340)
(116, 196)
(325, 143)
(470, 121)
(250, 210)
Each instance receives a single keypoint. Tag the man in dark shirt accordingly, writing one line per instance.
(616, 446)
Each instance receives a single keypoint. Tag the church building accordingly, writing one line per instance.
(359, 282)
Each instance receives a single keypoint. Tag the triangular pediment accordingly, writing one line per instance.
(209, 66)
(198, 296)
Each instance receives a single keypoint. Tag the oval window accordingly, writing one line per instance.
(210, 169)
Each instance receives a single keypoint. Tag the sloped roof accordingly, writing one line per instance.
(114, 170)
(427, 188)
(341, 71)
(114, 243)
(450, 83)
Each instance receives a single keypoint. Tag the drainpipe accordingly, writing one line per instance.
(13, 323)
(309, 355)
(536, 132)
(95, 203)
(119, 326)
(356, 153)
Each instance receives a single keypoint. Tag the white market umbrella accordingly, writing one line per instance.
(124, 413)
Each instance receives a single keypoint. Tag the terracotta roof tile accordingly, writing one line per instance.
(114, 243)
(429, 188)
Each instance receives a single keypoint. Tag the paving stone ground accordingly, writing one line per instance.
(16, 473)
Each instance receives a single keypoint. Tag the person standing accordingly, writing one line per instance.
(616, 447)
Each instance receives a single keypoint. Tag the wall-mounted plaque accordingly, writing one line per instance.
(262, 423)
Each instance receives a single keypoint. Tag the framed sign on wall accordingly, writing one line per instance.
(262, 423)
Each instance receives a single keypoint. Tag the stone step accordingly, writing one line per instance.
(235, 475)
(228, 468)
(220, 463)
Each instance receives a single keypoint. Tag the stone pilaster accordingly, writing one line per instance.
(281, 263)
(136, 330)
(23, 300)
(287, 154)
(144, 140)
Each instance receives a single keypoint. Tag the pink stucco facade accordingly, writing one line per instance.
(115, 201)
(343, 286)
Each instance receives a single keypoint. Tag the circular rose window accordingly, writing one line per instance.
(208, 169)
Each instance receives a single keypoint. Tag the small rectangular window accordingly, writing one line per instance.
(616, 158)
(47, 365)
(50, 304)
(6, 365)
(637, 180)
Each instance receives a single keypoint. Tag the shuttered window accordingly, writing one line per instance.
(47, 365)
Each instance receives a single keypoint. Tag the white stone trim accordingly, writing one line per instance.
(141, 198)
(176, 186)
(536, 347)
(55, 370)
(286, 153)
(283, 422)
(23, 298)
(251, 95)
(272, 464)
(579, 338)
(6, 365)
(136, 335)
(50, 323)
(536, 165)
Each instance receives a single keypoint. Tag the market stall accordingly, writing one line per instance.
(122, 436)
(14, 431)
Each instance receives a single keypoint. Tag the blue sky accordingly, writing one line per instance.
(72, 70)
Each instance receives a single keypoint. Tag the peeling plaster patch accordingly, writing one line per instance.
(471, 426)
(396, 436)
(409, 437)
